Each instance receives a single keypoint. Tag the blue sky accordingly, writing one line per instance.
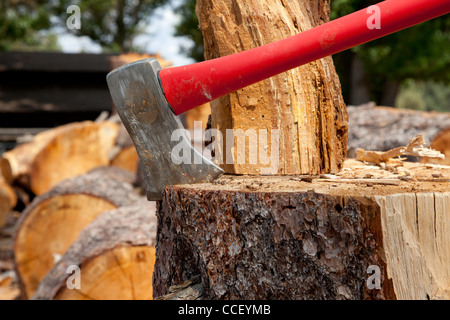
(158, 37)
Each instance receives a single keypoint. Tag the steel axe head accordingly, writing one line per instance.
(138, 96)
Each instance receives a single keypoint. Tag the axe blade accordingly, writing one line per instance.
(140, 102)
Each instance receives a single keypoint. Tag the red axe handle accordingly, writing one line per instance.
(189, 86)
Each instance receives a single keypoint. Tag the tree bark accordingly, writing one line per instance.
(307, 237)
(304, 104)
(115, 254)
(50, 224)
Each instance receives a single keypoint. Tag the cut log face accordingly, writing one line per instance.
(60, 153)
(305, 104)
(127, 158)
(350, 236)
(115, 254)
(15, 164)
(53, 221)
(124, 154)
(75, 152)
(8, 201)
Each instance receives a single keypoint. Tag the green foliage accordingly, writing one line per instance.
(421, 52)
(188, 27)
(20, 22)
(424, 95)
(111, 23)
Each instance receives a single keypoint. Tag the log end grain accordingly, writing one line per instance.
(115, 254)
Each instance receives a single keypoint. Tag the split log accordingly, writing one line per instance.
(115, 254)
(200, 114)
(305, 104)
(60, 153)
(8, 286)
(384, 128)
(130, 57)
(441, 142)
(124, 154)
(53, 220)
(275, 237)
(8, 200)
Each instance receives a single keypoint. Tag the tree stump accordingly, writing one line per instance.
(366, 233)
(305, 104)
(60, 153)
(52, 222)
(115, 254)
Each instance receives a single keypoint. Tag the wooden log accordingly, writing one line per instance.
(384, 128)
(8, 200)
(115, 254)
(200, 114)
(124, 154)
(441, 142)
(304, 104)
(60, 153)
(275, 237)
(50, 224)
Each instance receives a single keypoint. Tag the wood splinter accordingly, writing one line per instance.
(415, 148)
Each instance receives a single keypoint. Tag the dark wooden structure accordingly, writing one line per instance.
(40, 90)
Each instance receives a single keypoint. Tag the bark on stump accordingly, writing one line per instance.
(54, 220)
(304, 104)
(308, 237)
(115, 254)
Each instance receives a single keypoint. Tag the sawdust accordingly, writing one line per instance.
(355, 179)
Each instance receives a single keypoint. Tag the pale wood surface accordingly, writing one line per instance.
(305, 104)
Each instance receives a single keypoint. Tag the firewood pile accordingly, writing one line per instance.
(69, 198)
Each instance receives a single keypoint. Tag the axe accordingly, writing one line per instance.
(148, 99)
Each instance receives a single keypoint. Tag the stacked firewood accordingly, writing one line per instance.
(70, 209)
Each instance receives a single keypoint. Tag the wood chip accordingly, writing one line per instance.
(394, 182)
(415, 147)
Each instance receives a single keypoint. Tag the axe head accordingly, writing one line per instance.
(140, 102)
